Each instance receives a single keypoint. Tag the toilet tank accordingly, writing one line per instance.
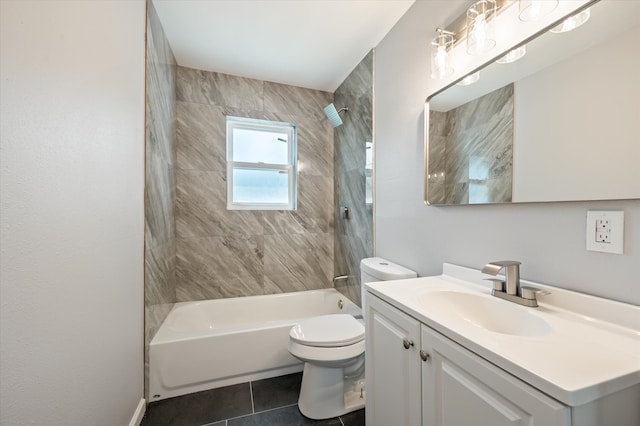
(378, 269)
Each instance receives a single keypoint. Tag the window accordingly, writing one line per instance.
(261, 164)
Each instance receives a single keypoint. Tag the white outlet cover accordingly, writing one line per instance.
(616, 233)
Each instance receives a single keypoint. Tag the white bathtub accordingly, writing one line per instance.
(213, 343)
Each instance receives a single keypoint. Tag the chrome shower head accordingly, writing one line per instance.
(334, 115)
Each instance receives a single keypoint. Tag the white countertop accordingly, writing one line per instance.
(592, 351)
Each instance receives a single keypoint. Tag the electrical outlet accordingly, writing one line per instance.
(605, 231)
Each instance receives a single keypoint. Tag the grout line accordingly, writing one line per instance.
(277, 408)
(341, 422)
(253, 408)
(213, 423)
(260, 412)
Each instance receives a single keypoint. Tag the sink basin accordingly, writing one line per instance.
(485, 312)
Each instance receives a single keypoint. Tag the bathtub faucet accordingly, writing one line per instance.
(340, 278)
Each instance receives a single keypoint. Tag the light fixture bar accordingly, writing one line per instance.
(459, 25)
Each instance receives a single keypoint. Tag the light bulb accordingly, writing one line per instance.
(532, 10)
(513, 55)
(440, 60)
(480, 37)
(535, 11)
(470, 79)
(572, 22)
(480, 32)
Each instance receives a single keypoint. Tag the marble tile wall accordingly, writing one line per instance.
(354, 236)
(472, 145)
(160, 241)
(226, 253)
(436, 158)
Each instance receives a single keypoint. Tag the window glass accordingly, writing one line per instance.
(260, 186)
(261, 165)
(260, 146)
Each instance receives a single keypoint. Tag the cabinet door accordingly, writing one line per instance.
(463, 389)
(392, 366)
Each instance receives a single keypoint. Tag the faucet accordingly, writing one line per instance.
(339, 278)
(512, 273)
(513, 292)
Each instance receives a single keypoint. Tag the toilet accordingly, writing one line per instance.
(332, 348)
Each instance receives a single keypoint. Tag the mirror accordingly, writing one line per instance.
(560, 124)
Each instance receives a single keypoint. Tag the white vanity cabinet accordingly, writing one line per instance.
(460, 388)
(392, 366)
(416, 376)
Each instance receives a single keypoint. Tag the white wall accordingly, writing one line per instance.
(72, 176)
(548, 238)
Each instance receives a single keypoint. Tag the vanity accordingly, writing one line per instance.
(443, 351)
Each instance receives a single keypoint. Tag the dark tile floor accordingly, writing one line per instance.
(268, 402)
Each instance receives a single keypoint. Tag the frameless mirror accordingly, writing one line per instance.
(560, 124)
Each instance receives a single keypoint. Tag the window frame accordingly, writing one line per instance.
(291, 168)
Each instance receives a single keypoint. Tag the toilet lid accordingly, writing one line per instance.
(328, 331)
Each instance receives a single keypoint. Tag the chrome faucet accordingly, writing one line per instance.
(510, 288)
(339, 278)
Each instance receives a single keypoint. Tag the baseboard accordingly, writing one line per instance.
(139, 413)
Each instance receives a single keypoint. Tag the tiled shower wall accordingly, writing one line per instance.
(160, 241)
(478, 130)
(354, 236)
(227, 253)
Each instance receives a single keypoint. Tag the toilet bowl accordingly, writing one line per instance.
(332, 348)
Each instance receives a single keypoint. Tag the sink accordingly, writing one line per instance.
(486, 312)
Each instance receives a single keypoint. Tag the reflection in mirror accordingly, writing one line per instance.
(470, 151)
(368, 173)
(560, 124)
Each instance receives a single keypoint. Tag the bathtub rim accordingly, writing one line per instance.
(165, 335)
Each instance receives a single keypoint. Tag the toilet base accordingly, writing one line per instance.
(326, 392)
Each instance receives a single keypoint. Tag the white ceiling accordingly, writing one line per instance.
(306, 43)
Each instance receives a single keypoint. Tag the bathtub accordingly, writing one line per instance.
(212, 343)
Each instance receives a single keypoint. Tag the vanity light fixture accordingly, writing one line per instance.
(470, 79)
(573, 22)
(480, 31)
(440, 56)
(513, 55)
(532, 10)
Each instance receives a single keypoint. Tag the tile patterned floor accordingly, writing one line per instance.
(268, 402)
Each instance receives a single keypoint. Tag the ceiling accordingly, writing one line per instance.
(306, 43)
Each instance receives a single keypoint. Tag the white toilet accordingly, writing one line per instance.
(332, 348)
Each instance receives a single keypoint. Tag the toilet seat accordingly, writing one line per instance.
(328, 357)
(328, 331)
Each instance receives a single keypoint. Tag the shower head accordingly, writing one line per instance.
(334, 115)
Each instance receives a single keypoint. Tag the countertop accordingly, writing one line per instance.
(592, 351)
